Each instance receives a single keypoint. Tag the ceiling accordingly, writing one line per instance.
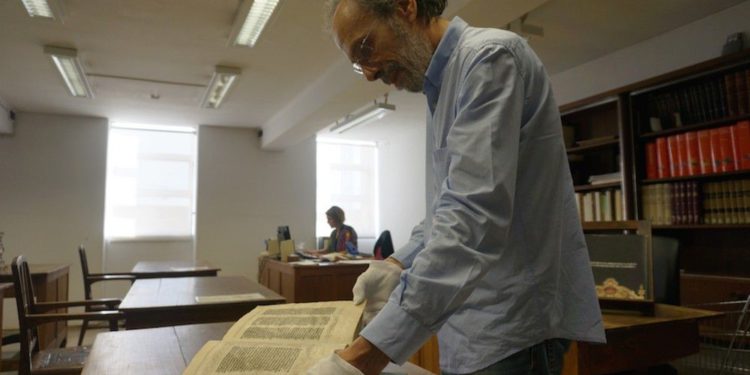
(294, 82)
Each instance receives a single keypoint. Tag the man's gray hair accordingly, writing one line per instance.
(427, 10)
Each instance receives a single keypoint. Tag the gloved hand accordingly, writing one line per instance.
(333, 365)
(375, 286)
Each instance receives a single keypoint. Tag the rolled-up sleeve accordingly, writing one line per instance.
(475, 168)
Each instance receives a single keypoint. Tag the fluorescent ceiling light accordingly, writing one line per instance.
(71, 70)
(149, 127)
(38, 8)
(374, 112)
(254, 22)
(222, 80)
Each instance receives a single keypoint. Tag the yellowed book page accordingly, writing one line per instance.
(334, 321)
(245, 357)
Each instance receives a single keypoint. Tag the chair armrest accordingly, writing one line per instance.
(37, 319)
(96, 277)
(44, 306)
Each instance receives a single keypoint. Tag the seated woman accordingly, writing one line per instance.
(341, 234)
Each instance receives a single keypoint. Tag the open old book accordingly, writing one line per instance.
(280, 339)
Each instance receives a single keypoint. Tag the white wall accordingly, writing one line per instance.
(52, 176)
(244, 193)
(401, 161)
(693, 43)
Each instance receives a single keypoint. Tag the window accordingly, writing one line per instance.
(150, 182)
(347, 177)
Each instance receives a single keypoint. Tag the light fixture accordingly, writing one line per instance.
(374, 112)
(71, 70)
(250, 23)
(222, 80)
(40, 8)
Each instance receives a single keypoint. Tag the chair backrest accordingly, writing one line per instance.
(24, 290)
(85, 272)
(383, 246)
(665, 252)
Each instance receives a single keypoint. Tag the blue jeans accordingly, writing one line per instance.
(545, 358)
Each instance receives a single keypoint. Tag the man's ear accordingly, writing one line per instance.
(407, 9)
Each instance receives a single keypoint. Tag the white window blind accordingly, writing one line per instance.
(347, 177)
(150, 183)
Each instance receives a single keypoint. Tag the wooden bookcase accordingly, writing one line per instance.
(678, 103)
(595, 137)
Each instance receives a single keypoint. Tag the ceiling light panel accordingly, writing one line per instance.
(67, 64)
(373, 113)
(223, 79)
(255, 22)
(38, 8)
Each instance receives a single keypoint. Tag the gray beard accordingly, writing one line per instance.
(415, 55)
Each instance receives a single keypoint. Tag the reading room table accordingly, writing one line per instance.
(165, 350)
(636, 342)
(190, 300)
(172, 268)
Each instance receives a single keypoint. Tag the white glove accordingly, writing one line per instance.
(375, 285)
(333, 365)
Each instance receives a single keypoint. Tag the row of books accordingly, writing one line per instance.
(716, 150)
(712, 99)
(600, 205)
(691, 202)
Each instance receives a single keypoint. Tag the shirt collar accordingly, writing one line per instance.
(434, 75)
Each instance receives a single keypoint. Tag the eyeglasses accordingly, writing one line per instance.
(363, 55)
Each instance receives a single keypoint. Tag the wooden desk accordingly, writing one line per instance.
(160, 351)
(310, 283)
(50, 283)
(171, 301)
(173, 268)
(638, 342)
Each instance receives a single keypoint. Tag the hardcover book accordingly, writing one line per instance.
(280, 339)
(621, 264)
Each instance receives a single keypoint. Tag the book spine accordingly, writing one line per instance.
(704, 152)
(662, 158)
(681, 155)
(725, 150)
(619, 215)
(666, 204)
(597, 206)
(742, 144)
(746, 199)
(708, 201)
(692, 163)
(674, 156)
(730, 94)
(741, 87)
(651, 162)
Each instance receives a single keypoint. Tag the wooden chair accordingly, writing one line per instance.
(91, 278)
(32, 314)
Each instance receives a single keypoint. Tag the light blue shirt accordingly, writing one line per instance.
(499, 262)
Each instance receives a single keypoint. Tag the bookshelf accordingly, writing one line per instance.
(594, 139)
(700, 193)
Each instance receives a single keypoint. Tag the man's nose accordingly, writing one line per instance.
(371, 74)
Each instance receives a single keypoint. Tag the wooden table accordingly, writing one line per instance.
(637, 342)
(310, 283)
(173, 268)
(160, 351)
(171, 301)
(50, 283)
